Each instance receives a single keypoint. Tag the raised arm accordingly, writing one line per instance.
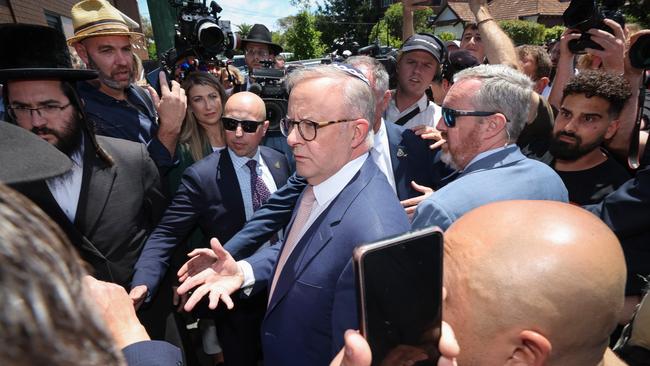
(498, 47)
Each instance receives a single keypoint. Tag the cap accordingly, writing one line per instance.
(425, 42)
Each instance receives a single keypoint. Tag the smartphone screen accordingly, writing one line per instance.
(399, 284)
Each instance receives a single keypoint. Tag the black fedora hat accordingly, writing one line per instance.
(25, 157)
(36, 52)
(260, 34)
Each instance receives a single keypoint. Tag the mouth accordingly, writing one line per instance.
(566, 138)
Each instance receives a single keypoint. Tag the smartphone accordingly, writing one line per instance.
(399, 289)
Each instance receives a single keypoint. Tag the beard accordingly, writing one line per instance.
(68, 139)
(563, 150)
(446, 158)
(109, 80)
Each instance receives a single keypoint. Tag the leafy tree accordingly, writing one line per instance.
(147, 30)
(244, 29)
(392, 22)
(446, 36)
(336, 19)
(303, 38)
(638, 11)
(523, 32)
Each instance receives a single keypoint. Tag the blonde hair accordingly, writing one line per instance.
(193, 136)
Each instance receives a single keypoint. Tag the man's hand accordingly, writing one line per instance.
(171, 108)
(475, 5)
(411, 204)
(216, 274)
(138, 294)
(429, 133)
(116, 308)
(614, 47)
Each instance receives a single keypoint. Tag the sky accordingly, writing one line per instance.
(266, 12)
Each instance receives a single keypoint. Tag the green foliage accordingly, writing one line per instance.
(344, 18)
(523, 32)
(303, 39)
(446, 36)
(553, 33)
(638, 11)
(244, 29)
(152, 51)
(391, 23)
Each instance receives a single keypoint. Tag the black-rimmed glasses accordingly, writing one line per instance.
(231, 124)
(46, 111)
(306, 128)
(449, 115)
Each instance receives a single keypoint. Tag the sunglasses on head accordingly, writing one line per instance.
(231, 124)
(449, 115)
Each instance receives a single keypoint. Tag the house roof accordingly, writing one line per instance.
(510, 9)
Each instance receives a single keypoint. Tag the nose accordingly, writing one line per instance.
(571, 125)
(441, 126)
(294, 136)
(36, 118)
(122, 57)
(239, 132)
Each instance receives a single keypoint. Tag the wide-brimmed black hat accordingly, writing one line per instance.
(260, 34)
(25, 157)
(36, 52)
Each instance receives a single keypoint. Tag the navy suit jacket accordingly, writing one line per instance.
(314, 301)
(503, 175)
(627, 212)
(209, 195)
(152, 353)
(411, 160)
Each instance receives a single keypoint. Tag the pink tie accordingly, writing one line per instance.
(306, 204)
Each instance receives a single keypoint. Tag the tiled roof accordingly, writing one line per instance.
(511, 9)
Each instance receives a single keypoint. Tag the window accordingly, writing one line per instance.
(386, 3)
(54, 21)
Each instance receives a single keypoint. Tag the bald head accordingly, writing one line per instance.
(245, 106)
(525, 277)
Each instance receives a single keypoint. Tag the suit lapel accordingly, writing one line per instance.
(320, 233)
(96, 185)
(277, 167)
(229, 187)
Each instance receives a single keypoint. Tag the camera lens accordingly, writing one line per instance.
(640, 52)
(209, 34)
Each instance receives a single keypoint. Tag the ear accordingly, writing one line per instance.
(541, 84)
(361, 127)
(81, 51)
(533, 350)
(265, 127)
(495, 124)
(612, 128)
(385, 100)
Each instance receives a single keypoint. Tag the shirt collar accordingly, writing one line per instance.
(239, 161)
(485, 154)
(332, 186)
(422, 103)
(380, 134)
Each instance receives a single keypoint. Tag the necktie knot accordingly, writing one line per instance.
(252, 165)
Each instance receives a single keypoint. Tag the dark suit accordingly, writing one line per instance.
(411, 160)
(314, 301)
(152, 353)
(210, 196)
(627, 212)
(118, 206)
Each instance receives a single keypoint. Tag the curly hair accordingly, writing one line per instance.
(593, 83)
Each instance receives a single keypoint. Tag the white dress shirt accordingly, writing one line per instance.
(244, 178)
(381, 154)
(324, 193)
(429, 114)
(66, 188)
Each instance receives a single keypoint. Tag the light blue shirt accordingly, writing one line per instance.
(244, 178)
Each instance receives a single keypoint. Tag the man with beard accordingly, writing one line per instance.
(117, 106)
(110, 199)
(482, 117)
(589, 114)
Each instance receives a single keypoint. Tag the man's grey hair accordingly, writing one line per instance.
(358, 97)
(46, 318)
(379, 73)
(504, 90)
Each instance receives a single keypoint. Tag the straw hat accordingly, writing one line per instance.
(91, 18)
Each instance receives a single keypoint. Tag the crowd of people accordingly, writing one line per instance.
(178, 226)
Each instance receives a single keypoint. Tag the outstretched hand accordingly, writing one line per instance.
(213, 272)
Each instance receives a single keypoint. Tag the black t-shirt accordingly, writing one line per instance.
(590, 186)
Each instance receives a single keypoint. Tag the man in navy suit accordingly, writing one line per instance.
(410, 166)
(483, 114)
(347, 202)
(218, 194)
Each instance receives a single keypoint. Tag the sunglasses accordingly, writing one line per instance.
(449, 115)
(231, 124)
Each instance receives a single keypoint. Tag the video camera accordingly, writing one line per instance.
(269, 85)
(586, 14)
(384, 54)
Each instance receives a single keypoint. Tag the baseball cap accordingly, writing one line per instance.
(425, 42)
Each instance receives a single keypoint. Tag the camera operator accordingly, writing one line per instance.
(117, 106)
(258, 46)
